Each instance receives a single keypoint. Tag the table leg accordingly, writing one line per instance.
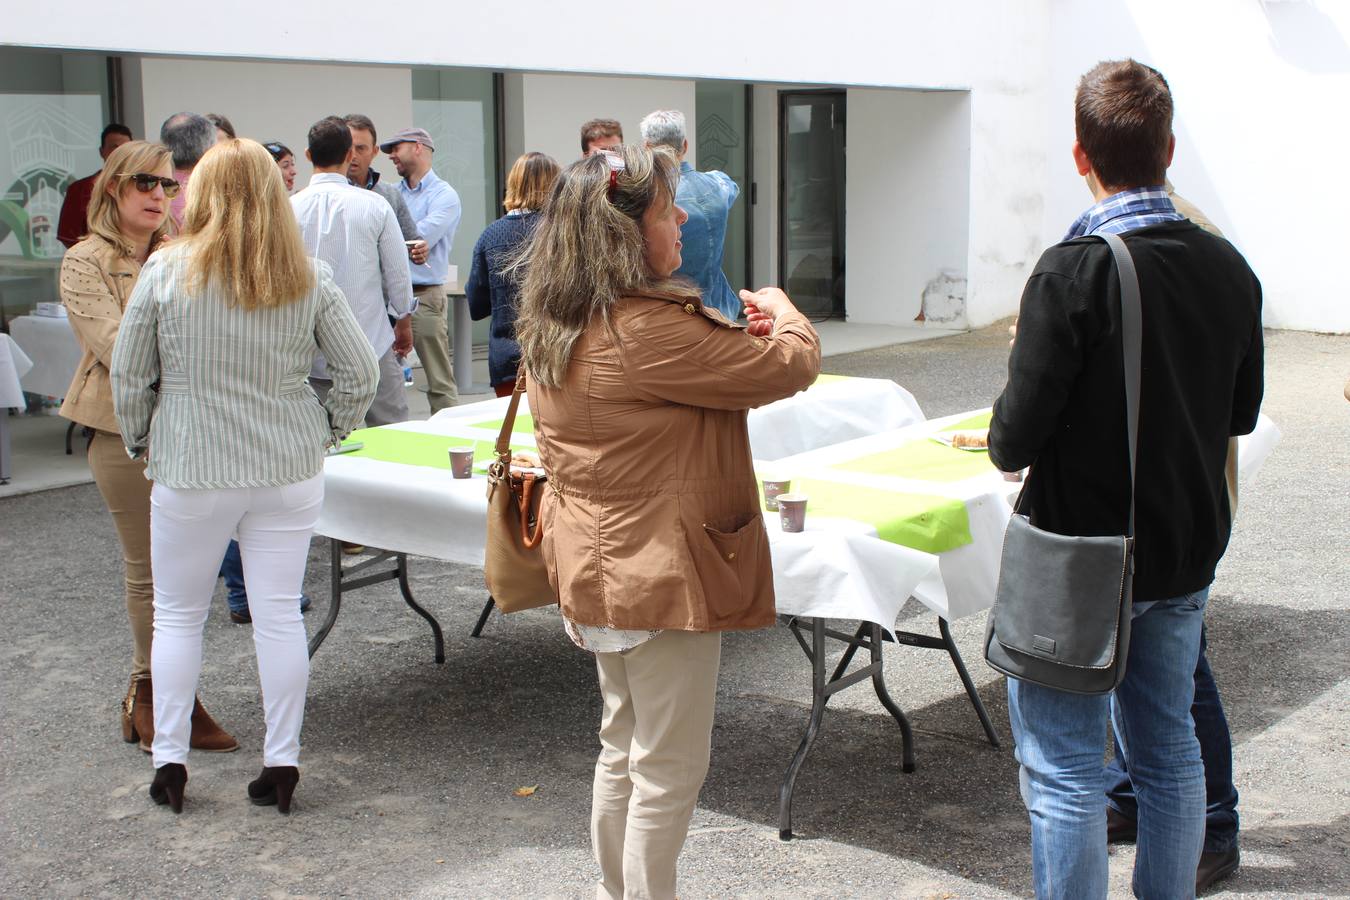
(4, 447)
(408, 599)
(343, 580)
(969, 685)
(483, 617)
(879, 685)
(818, 700)
(334, 595)
(867, 636)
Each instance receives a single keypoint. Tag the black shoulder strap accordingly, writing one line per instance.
(1131, 338)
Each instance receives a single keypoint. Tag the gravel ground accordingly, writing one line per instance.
(409, 767)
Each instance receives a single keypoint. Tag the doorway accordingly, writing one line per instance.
(811, 166)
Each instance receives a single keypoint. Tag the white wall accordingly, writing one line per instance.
(276, 101)
(552, 107)
(998, 51)
(1262, 121)
(908, 199)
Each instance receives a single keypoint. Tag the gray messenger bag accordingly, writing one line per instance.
(1062, 610)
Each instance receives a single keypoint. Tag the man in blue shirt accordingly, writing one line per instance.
(435, 208)
(707, 198)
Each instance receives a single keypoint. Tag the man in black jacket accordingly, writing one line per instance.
(1063, 413)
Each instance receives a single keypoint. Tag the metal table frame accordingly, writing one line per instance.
(351, 579)
(869, 636)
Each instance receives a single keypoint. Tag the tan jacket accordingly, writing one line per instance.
(654, 518)
(96, 282)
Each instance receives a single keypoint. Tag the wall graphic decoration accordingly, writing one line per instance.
(49, 140)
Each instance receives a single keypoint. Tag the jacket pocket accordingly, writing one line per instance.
(730, 564)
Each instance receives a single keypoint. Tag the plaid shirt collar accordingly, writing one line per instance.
(1126, 211)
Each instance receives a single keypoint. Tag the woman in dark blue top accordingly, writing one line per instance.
(491, 289)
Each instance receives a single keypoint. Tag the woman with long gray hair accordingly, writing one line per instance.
(653, 536)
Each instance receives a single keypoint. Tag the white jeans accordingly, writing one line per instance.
(189, 530)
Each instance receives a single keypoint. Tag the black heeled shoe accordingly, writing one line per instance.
(275, 785)
(170, 779)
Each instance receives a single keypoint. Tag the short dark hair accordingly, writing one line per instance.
(1123, 121)
(114, 128)
(329, 141)
(222, 123)
(599, 128)
(357, 120)
(188, 136)
(278, 150)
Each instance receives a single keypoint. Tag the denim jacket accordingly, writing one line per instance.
(707, 198)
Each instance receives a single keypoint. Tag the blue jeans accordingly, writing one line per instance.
(232, 570)
(1216, 752)
(1060, 740)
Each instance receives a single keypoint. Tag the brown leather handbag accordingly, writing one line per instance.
(513, 565)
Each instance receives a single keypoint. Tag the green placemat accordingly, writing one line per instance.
(979, 420)
(524, 424)
(413, 448)
(926, 459)
(921, 521)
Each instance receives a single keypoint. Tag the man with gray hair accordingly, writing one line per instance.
(707, 198)
(188, 136)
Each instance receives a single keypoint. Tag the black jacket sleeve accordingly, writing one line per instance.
(1046, 359)
(1250, 386)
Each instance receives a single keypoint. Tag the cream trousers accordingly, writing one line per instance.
(655, 737)
(189, 530)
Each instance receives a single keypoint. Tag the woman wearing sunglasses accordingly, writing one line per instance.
(210, 378)
(128, 217)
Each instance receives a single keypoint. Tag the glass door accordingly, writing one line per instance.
(723, 133)
(811, 169)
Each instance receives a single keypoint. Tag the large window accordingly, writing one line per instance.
(52, 108)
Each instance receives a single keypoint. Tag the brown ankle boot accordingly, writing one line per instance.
(141, 711)
(206, 734)
(128, 732)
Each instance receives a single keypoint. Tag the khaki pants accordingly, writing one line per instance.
(125, 489)
(655, 737)
(431, 340)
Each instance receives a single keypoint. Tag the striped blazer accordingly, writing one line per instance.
(216, 396)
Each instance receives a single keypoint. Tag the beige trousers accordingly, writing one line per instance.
(655, 740)
(125, 489)
(431, 340)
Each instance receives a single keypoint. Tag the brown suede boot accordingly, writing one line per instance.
(128, 733)
(141, 710)
(206, 734)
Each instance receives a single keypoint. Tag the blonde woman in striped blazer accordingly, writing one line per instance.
(209, 384)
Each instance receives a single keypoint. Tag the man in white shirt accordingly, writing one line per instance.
(356, 232)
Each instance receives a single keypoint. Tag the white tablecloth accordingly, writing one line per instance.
(837, 568)
(14, 364)
(51, 345)
(423, 511)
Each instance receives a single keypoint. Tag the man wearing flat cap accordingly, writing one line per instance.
(435, 207)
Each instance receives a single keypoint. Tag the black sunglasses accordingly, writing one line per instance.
(145, 183)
